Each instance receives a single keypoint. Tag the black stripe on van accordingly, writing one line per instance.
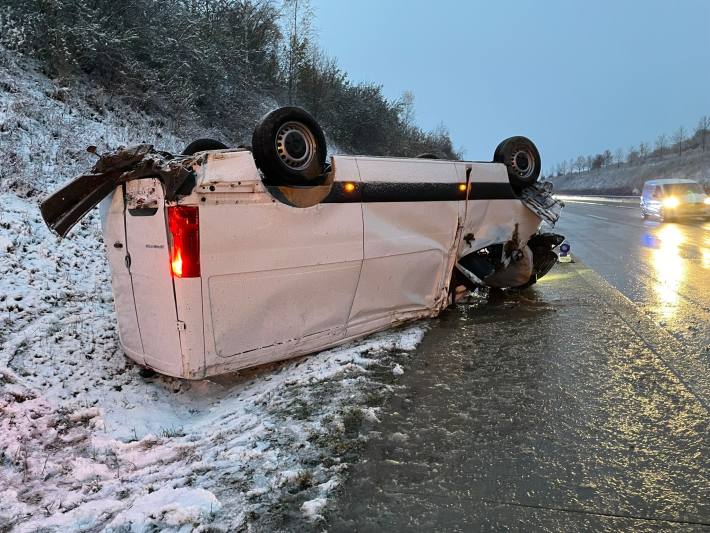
(415, 192)
(346, 192)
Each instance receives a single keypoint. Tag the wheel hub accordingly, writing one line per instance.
(522, 163)
(295, 145)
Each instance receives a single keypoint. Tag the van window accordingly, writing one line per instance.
(681, 189)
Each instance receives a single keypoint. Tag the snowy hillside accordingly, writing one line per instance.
(626, 179)
(87, 440)
(45, 128)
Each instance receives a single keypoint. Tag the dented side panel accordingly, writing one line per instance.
(190, 326)
(494, 221)
(407, 245)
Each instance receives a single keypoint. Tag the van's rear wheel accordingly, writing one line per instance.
(200, 145)
(289, 147)
(522, 159)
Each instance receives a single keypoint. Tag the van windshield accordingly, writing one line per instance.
(681, 189)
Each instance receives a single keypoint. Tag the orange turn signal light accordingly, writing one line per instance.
(349, 187)
(462, 187)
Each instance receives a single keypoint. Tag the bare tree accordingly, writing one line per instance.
(679, 138)
(607, 158)
(703, 130)
(580, 163)
(633, 157)
(299, 15)
(643, 151)
(406, 103)
(619, 156)
(597, 161)
(661, 143)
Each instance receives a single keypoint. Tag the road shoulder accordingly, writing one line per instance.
(565, 408)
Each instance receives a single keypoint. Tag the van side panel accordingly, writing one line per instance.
(407, 245)
(276, 278)
(494, 221)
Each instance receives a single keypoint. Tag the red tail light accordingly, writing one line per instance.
(184, 224)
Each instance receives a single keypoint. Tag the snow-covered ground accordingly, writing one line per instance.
(87, 442)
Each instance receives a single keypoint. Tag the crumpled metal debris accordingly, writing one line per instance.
(538, 198)
(68, 205)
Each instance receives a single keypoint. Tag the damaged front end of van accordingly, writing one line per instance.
(229, 258)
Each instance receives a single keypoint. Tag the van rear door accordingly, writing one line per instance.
(148, 263)
(114, 231)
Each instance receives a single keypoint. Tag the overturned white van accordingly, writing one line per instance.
(229, 258)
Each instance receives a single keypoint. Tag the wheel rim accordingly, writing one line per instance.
(295, 145)
(523, 163)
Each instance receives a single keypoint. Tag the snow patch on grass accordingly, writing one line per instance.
(312, 508)
(169, 506)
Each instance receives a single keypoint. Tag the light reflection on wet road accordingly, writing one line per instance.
(663, 267)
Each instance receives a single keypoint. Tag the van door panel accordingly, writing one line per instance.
(256, 309)
(112, 212)
(147, 245)
(407, 245)
(397, 284)
(261, 262)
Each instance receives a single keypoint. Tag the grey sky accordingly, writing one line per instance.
(577, 77)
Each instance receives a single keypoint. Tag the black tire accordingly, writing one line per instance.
(521, 158)
(289, 147)
(200, 145)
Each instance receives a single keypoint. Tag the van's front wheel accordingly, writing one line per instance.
(521, 157)
(289, 147)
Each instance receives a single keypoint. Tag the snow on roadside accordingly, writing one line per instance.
(86, 442)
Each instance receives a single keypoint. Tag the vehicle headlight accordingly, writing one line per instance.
(670, 202)
(706, 201)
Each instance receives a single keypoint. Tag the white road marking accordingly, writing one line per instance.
(600, 218)
(597, 203)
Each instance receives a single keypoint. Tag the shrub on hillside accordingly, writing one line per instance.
(222, 63)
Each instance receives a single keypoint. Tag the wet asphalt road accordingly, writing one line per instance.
(664, 268)
(571, 407)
